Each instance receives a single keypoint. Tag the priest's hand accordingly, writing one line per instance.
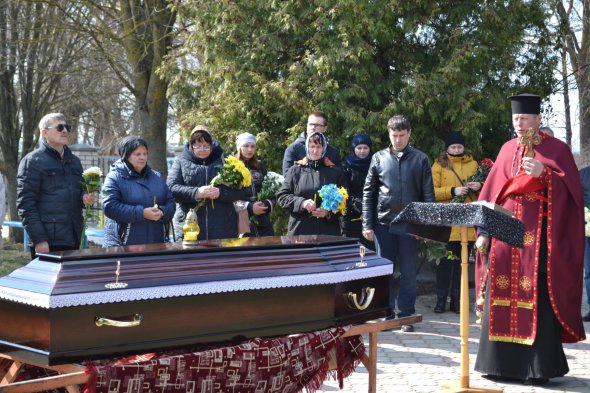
(481, 244)
(532, 167)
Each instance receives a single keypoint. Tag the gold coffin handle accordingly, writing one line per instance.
(102, 321)
(366, 298)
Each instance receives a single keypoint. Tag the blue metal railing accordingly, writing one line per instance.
(90, 232)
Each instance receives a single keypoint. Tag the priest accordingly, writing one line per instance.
(532, 294)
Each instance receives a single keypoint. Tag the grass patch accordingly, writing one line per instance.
(12, 257)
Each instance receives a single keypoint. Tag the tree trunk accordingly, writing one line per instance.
(584, 98)
(147, 29)
(154, 121)
(15, 234)
(566, 99)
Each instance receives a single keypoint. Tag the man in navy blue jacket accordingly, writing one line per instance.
(316, 122)
(49, 190)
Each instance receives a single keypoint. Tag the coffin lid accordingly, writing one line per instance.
(75, 278)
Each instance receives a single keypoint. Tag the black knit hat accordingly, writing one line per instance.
(526, 104)
(453, 138)
(361, 139)
(128, 145)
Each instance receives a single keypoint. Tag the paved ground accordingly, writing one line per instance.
(423, 360)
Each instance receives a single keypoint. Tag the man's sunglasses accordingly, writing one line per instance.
(61, 127)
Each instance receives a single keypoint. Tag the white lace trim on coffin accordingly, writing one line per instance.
(127, 295)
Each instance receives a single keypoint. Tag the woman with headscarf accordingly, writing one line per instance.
(189, 180)
(255, 213)
(135, 199)
(356, 167)
(299, 192)
(449, 176)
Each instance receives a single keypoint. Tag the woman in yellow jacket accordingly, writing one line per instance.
(449, 174)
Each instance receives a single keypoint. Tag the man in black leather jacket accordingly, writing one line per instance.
(49, 190)
(398, 175)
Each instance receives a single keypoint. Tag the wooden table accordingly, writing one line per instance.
(372, 328)
(71, 375)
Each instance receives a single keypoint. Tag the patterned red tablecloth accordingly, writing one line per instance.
(262, 365)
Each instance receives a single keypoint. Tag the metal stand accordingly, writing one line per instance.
(463, 384)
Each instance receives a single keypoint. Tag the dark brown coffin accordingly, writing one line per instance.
(214, 291)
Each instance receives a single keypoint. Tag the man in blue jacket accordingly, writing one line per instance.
(397, 175)
(49, 190)
(316, 122)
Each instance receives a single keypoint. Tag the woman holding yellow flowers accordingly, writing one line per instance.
(196, 182)
(254, 211)
(300, 191)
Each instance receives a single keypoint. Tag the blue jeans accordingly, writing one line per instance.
(587, 269)
(402, 250)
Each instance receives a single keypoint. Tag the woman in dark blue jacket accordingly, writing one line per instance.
(190, 179)
(135, 199)
(299, 192)
(356, 166)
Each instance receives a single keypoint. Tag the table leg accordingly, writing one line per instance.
(12, 373)
(372, 362)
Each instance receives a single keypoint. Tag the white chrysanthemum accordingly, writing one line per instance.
(275, 177)
(93, 171)
(587, 219)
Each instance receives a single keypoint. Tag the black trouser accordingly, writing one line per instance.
(448, 272)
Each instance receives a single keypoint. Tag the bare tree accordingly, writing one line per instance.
(575, 34)
(143, 31)
(36, 56)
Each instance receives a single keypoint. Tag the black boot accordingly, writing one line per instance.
(440, 304)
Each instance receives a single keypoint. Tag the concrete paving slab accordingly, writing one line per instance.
(421, 361)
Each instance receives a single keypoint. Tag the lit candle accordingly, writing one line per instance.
(191, 235)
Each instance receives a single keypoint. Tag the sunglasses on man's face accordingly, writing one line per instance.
(61, 127)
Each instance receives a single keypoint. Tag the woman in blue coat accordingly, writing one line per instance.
(135, 199)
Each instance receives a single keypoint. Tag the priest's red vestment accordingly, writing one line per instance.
(513, 272)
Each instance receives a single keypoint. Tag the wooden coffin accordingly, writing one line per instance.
(89, 304)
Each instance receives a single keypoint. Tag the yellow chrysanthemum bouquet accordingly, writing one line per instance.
(233, 174)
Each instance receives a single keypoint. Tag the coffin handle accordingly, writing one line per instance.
(366, 298)
(102, 321)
